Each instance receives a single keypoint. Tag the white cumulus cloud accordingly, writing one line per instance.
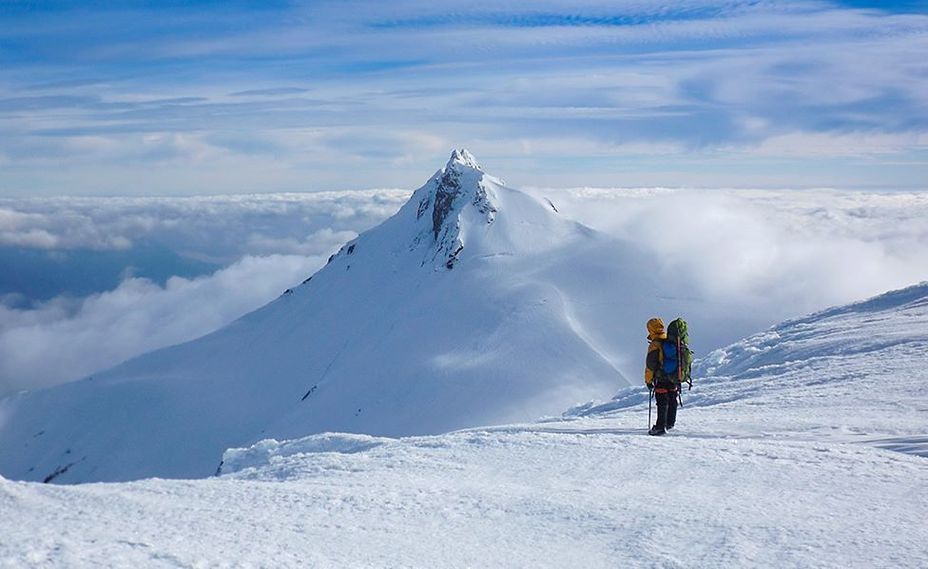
(783, 253)
(65, 339)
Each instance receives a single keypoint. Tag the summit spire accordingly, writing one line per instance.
(459, 190)
(461, 157)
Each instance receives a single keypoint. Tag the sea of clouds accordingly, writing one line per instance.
(775, 254)
(237, 253)
(782, 252)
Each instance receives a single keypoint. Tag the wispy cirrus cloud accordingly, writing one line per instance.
(321, 95)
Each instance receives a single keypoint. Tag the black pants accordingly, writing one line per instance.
(666, 407)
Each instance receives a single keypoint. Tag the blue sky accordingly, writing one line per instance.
(164, 98)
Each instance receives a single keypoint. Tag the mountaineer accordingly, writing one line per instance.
(667, 367)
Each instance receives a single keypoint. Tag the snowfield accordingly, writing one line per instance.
(802, 446)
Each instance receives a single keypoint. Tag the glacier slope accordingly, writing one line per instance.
(777, 461)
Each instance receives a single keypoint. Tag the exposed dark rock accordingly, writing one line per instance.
(447, 190)
(61, 470)
(423, 207)
(310, 392)
(453, 258)
(483, 205)
(445, 200)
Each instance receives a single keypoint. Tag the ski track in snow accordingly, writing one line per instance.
(777, 461)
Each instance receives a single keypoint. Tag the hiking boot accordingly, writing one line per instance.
(657, 431)
(669, 427)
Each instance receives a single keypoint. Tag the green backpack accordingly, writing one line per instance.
(678, 335)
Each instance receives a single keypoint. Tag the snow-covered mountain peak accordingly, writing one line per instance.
(463, 212)
(460, 182)
(461, 158)
(459, 194)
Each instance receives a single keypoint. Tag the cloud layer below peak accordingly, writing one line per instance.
(775, 254)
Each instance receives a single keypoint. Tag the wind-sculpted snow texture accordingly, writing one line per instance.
(475, 304)
(854, 373)
(849, 374)
(779, 460)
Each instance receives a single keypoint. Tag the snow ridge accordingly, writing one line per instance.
(890, 319)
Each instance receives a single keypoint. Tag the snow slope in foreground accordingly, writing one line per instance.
(780, 459)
